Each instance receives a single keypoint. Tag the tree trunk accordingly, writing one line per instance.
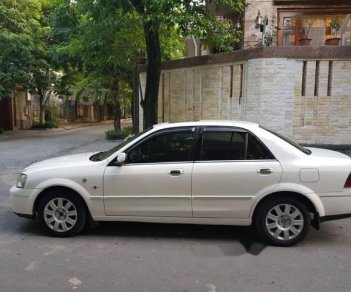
(102, 108)
(116, 105)
(135, 101)
(150, 104)
(41, 109)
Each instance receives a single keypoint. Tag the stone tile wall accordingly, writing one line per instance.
(309, 101)
(210, 92)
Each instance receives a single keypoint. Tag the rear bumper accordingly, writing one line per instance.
(336, 206)
(334, 217)
(315, 222)
(336, 203)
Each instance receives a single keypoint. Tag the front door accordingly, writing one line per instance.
(233, 168)
(156, 178)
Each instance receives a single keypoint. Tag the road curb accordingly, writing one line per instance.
(29, 132)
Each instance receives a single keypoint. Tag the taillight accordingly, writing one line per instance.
(348, 182)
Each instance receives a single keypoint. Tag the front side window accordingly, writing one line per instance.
(231, 145)
(171, 146)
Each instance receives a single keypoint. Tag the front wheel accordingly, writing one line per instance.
(62, 213)
(283, 221)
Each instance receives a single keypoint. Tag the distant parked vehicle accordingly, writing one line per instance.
(206, 172)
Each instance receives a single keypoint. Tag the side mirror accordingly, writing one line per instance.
(121, 158)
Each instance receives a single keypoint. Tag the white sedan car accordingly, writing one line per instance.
(206, 172)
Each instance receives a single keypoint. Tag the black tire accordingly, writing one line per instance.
(62, 212)
(288, 227)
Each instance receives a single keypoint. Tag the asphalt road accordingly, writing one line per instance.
(153, 257)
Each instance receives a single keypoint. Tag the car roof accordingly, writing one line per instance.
(228, 123)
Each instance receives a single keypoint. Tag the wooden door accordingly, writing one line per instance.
(6, 114)
(289, 25)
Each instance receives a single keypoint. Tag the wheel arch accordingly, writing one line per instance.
(47, 190)
(313, 204)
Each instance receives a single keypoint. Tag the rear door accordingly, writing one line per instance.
(231, 169)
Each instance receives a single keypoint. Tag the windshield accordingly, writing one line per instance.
(105, 154)
(298, 146)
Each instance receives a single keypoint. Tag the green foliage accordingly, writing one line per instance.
(190, 18)
(24, 47)
(224, 38)
(125, 95)
(100, 44)
(335, 24)
(113, 134)
(14, 61)
(172, 44)
(108, 38)
(52, 119)
(64, 20)
(1, 131)
(57, 45)
(18, 21)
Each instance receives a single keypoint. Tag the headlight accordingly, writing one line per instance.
(21, 180)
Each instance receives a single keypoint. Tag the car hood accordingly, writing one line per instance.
(61, 161)
(319, 152)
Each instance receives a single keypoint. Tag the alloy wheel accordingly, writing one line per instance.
(284, 222)
(60, 214)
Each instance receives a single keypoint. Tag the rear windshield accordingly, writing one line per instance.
(298, 146)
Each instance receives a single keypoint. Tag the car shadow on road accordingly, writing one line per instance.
(248, 239)
(231, 240)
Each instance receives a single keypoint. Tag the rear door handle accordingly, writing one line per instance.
(265, 171)
(176, 172)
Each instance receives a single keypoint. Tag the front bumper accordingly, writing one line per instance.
(22, 201)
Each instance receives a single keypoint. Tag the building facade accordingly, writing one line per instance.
(289, 20)
(17, 111)
(286, 76)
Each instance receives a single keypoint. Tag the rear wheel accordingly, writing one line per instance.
(62, 213)
(283, 221)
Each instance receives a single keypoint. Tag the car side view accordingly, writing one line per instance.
(204, 172)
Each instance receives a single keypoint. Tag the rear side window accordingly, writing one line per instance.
(255, 149)
(301, 148)
(231, 145)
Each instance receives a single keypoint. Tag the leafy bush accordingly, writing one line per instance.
(48, 125)
(113, 134)
(51, 124)
(1, 131)
(52, 116)
(38, 126)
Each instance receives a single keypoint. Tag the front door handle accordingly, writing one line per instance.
(176, 172)
(265, 171)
